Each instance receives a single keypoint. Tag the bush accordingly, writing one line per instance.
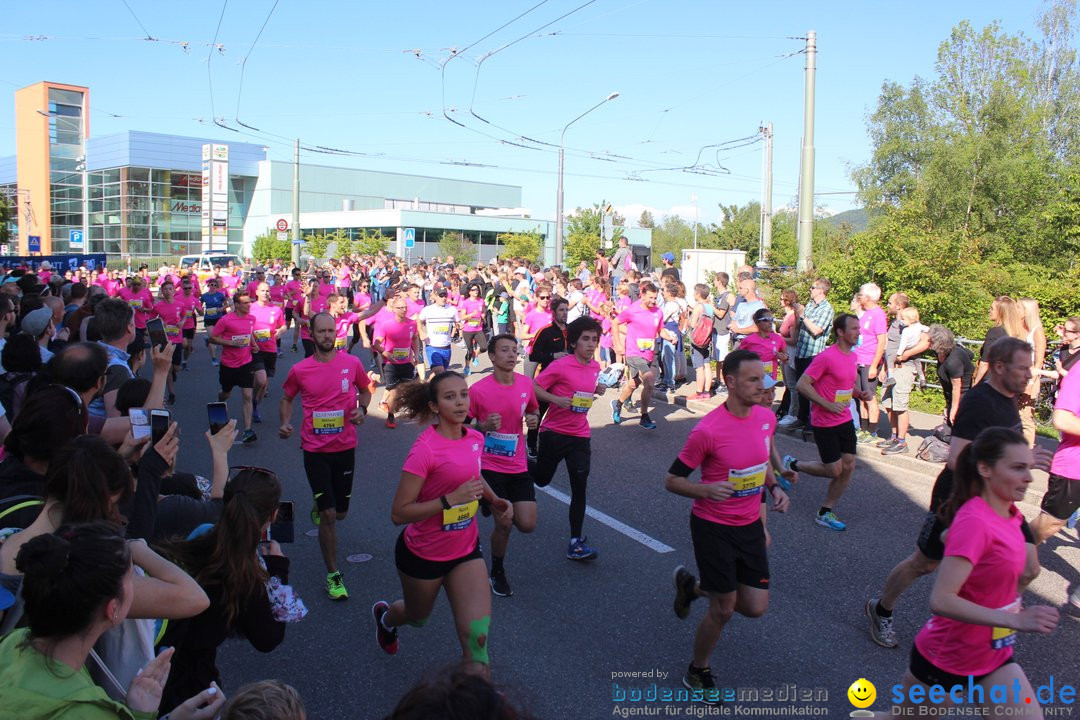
(267, 247)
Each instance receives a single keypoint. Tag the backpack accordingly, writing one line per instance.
(933, 450)
(702, 332)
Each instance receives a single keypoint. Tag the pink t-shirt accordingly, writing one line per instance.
(326, 289)
(384, 314)
(317, 306)
(642, 327)
(833, 373)
(731, 448)
(268, 318)
(328, 395)
(786, 330)
(172, 314)
(277, 294)
(1067, 457)
(871, 324)
(444, 465)
(605, 333)
(190, 303)
(343, 323)
(141, 302)
(567, 377)
(766, 348)
(622, 302)
(397, 340)
(504, 449)
(293, 292)
(535, 321)
(472, 314)
(995, 548)
(413, 308)
(344, 280)
(235, 327)
(252, 287)
(361, 302)
(230, 282)
(594, 298)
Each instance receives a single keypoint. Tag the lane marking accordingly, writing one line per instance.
(617, 526)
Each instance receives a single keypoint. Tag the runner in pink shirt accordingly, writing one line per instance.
(829, 384)
(230, 280)
(733, 446)
(345, 320)
(189, 299)
(311, 304)
(1062, 497)
(171, 312)
(362, 302)
(497, 404)
(869, 353)
(269, 326)
(569, 386)
(437, 499)
(235, 333)
(334, 391)
(141, 301)
(969, 640)
(766, 342)
(640, 324)
(471, 313)
(534, 320)
(397, 340)
(294, 291)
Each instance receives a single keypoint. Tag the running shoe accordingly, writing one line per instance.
(881, 628)
(387, 639)
(335, 588)
(1074, 598)
(255, 416)
(829, 520)
(391, 423)
(900, 446)
(888, 382)
(864, 438)
(316, 519)
(384, 407)
(183, 365)
(294, 348)
(685, 591)
(701, 680)
(647, 423)
(500, 585)
(789, 462)
(248, 437)
(280, 353)
(580, 551)
(616, 411)
(214, 362)
(1071, 523)
(476, 362)
(787, 421)
(888, 442)
(628, 404)
(466, 371)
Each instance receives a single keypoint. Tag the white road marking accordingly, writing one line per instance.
(617, 526)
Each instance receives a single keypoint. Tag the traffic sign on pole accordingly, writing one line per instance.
(282, 236)
(410, 237)
(75, 239)
(282, 225)
(33, 243)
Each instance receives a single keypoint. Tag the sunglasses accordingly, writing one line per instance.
(543, 297)
(766, 320)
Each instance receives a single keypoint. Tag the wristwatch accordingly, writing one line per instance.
(445, 503)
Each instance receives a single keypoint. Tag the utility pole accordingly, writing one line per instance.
(766, 195)
(806, 180)
(296, 205)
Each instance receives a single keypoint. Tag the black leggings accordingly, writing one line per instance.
(577, 452)
(801, 364)
(477, 337)
(532, 437)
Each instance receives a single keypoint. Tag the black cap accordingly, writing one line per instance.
(442, 292)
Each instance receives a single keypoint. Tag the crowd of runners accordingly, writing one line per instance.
(89, 488)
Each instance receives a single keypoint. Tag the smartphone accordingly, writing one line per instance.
(285, 511)
(218, 415)
(159, 424)
(156, 330)
(140, 423)
(283, 528)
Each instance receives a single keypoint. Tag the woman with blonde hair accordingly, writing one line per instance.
(1008, 318)
(1036, 338)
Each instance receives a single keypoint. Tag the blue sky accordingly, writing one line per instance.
(376, 78)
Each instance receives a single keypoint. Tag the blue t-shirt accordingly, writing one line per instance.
(213, 306)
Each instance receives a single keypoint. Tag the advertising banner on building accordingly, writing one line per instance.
(59, 263)
(214, 212)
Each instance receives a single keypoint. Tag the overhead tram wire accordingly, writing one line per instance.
(137, 20)
(209, 74)
(243, 64)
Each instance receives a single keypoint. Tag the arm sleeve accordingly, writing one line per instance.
(693, 452)
(256, 621)
(141, 510)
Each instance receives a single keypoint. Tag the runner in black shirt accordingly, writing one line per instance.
(988, 404)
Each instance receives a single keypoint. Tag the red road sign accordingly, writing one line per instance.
(282, 225)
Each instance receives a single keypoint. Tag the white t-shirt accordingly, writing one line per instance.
(438, 323)
(578, 310)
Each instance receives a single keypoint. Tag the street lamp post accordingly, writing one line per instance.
(559, 198)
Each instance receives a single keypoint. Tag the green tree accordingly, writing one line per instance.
(528, 245)
(583, 233)
(7, 216)
(267, 247)
(456, 244)
(646, 220)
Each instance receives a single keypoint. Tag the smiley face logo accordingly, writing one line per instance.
(862, 693)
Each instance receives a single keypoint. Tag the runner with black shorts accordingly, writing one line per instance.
(988, 404)
(497, 404)
(397, 340)
(269, 326)
(234, 332)
(334, 391)
(829, 384)
(215, 304)
(189, 299)
(733, 447)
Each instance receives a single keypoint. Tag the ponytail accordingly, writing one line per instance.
(414, 399)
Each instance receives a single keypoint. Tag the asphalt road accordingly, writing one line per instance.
(571, 630)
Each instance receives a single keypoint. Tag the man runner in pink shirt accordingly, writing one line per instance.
(335, 391)
(235, 333)
(640, 324)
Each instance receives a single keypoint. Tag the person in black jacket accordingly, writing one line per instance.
(240, 574)
(548, 346)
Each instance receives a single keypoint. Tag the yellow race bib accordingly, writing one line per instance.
(460, 516)
(400, 354)
(262, 335)
(328, 422)
(1003, 637)
(768, 368)
(339, 343)
(172, 329)
(843, 397)
(645, 344)
(747, 481)
(581, 402)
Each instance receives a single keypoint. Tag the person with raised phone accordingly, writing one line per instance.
(437, 498)
(335, 391)
(497, 404)
(733, 446)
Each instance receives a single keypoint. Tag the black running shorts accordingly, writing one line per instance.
(330, 476)
(1062, 497)
(411, 564)
(241, 377)
(515, 487)
(729, 555)
(835, 442)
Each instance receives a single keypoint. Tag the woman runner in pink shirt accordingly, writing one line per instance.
(437, 499)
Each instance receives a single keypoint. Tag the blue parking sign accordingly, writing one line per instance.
(75, 239)
(410, 237)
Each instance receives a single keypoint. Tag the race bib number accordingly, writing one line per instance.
(328, 422)
(1002, 637)
(747, 481)
(401, 354)
(459, 517)
(172, 330)
(241, 338)
(439, 328)
(581, 402)
(769, 368)
(843, 397)
(135, 304)
(262, 335)
(339, 343)
(644, 344)
(501, 444)
(213, 312)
